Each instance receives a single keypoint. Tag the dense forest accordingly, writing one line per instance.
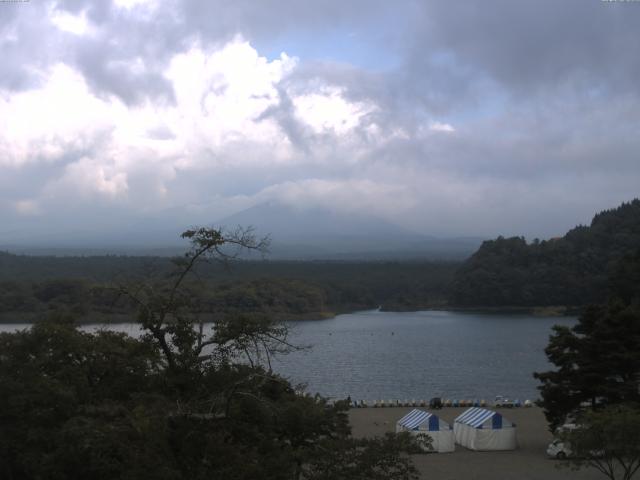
(88, 287)
(568, 271)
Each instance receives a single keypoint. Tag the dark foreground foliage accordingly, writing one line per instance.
(596, 383)
(608, 440)
(178, 403)
(597, 360)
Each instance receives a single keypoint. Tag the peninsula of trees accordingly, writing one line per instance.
(567, 271)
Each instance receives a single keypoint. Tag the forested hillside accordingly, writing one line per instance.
(571, 270)
(87, 286)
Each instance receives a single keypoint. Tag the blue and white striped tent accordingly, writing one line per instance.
(420, 422)
(482, 429)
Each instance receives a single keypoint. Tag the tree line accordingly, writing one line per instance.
(291, 290)
(571, 270)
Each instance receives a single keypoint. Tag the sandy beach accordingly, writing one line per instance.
(528, 462)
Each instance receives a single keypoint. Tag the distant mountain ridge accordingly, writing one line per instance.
(318, 233)
(571, 270)
(296, 233)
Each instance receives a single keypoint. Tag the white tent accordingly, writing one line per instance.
(420, 422)
(481, 429)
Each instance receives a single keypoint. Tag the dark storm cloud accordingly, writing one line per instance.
(532, 45)
(22, 49)
(284, 114)
(115, 73)
(264, 20)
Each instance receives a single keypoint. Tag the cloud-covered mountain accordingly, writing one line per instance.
(317, 233)
(302, 233)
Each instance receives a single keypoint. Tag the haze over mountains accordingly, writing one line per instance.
(296, 233)
(324, 234)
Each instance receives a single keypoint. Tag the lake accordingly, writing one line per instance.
(418, 355)
(415, 355)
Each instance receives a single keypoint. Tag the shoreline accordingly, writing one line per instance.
(28, 318)
(528, 461)
(538, 311)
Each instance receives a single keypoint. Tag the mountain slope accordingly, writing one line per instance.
(571, 270)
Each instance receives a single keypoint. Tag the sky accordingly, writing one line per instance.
(475, 118)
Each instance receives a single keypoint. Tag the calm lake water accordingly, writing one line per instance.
(415, 355)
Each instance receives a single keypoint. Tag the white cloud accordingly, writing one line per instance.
(67, 22)
(328, 110)
(134, 152)
(220, 94)
(45, 123)
(441, 127)
(129, 4)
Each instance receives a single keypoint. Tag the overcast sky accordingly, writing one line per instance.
(478, 117)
